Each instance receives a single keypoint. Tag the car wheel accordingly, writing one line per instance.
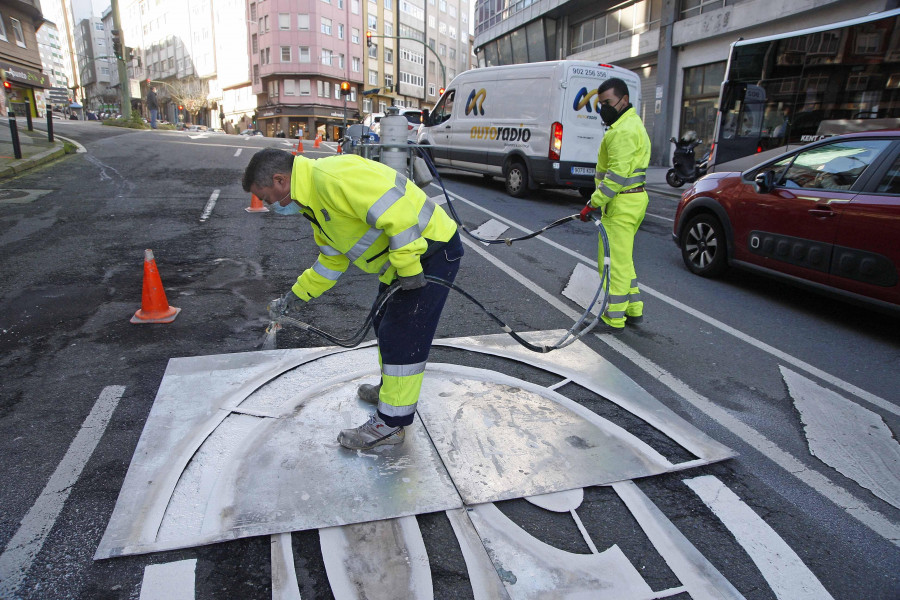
(516, 179)
(703, 246)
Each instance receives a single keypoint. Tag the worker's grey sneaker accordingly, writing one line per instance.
(373, 432)
(369, 393)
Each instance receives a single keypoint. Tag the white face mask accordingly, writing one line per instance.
(291, 209)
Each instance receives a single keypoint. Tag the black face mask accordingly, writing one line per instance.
(609, 114)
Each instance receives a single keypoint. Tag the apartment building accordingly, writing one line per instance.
(418, 47)
(20, 60)
(300, 53)
(679, 47)
(53, 61)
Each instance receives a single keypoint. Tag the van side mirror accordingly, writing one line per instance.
(425, 117)
(764, 182)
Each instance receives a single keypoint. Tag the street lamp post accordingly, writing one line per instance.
(370, 35)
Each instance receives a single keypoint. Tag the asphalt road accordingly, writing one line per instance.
(717, 352)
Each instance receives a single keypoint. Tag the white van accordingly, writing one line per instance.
(535, 124)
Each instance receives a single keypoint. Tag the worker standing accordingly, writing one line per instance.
(365, 213)
(622, 163)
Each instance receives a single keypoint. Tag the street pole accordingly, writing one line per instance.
(124, 91)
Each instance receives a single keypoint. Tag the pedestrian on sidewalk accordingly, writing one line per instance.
(152, 106)
(365, 213)
(622, 163)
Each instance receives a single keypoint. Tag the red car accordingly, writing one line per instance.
(826, 214)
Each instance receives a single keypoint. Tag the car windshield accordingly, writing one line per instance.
(414, 118)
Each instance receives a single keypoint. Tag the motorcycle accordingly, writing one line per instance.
(685, 167)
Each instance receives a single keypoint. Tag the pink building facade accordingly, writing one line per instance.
(300, 52)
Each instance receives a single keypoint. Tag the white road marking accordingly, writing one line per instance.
(491, 229)
(700, 578)
(27, 542)
(655, 216)
(210, 205)
(238, 151)
(782, 356)
(169, 581)
(783, 570)
(284, 574)
(838, 495)
(847, 437)
(582, 287)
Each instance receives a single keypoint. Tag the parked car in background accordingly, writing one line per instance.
(251, 132)
(414, 118)
(826, 215)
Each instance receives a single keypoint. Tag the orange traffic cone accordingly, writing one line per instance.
(256, 205)
(299, 149)
(318, 141)
(154, 306)
(340, 149)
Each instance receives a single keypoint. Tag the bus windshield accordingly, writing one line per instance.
(793, 89)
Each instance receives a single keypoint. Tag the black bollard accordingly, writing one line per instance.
(28, 115)
(14, 133)
(50, 124)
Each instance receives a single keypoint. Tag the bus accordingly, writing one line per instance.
(787, 90)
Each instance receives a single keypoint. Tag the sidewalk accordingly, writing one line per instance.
(656, 183)
(35, 148)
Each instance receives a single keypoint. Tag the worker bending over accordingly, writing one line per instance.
(366, 213)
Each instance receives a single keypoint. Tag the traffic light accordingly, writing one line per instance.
(116, 43)
(345, 88)
(440, 92)
(369, 39)
(6, 85)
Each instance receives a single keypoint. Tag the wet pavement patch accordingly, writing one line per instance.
(10, 196)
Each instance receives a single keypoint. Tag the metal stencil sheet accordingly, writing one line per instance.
(245, 444)
(266, 460)
(588, 369)
(503, 438)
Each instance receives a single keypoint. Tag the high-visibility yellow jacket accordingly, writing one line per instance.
(366, 213)
(623, 158)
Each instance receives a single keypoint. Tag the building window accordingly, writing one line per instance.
(373, 51)
(373, 22)
(616, 25)
(305, 87)
(699, 97)
(17, 31)
(373, 77)
(303, 22)
(255, 74)
(326, 26)
(389, 5)
(354, 6)
(692, 8)
(285, 54)
(353, 94)
(356, 65)
(431, 21)
(304, 54)
(326, 57)
(452, 52)
(273, 89)
(382, 106)
(388, 28)
(337, 90)
(254, 43)
(442, 50)
(284, 21)
(341, 61)
(367, 105)
(389, 82)
(354, 35)
(324, 89)
(388, 55)
(431, 90)
(340, 31)
(252, 10)
(290, 87)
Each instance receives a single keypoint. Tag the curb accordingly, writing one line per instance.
(664, 191)
(31, 162)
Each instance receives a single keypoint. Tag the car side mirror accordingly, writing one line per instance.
(764, 182)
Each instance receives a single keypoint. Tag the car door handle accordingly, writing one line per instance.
(446, 127)
(822, 212)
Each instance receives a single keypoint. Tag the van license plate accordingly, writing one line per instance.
(583, 171)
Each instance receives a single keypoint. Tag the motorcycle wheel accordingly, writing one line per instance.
(673, 179)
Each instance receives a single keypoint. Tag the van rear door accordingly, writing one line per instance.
(582, 127)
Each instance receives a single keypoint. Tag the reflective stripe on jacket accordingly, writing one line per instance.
(364, 213)
(623, 158)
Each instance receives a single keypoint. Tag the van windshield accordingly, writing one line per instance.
(414, 118)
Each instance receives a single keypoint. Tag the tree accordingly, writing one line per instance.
(191, 94)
